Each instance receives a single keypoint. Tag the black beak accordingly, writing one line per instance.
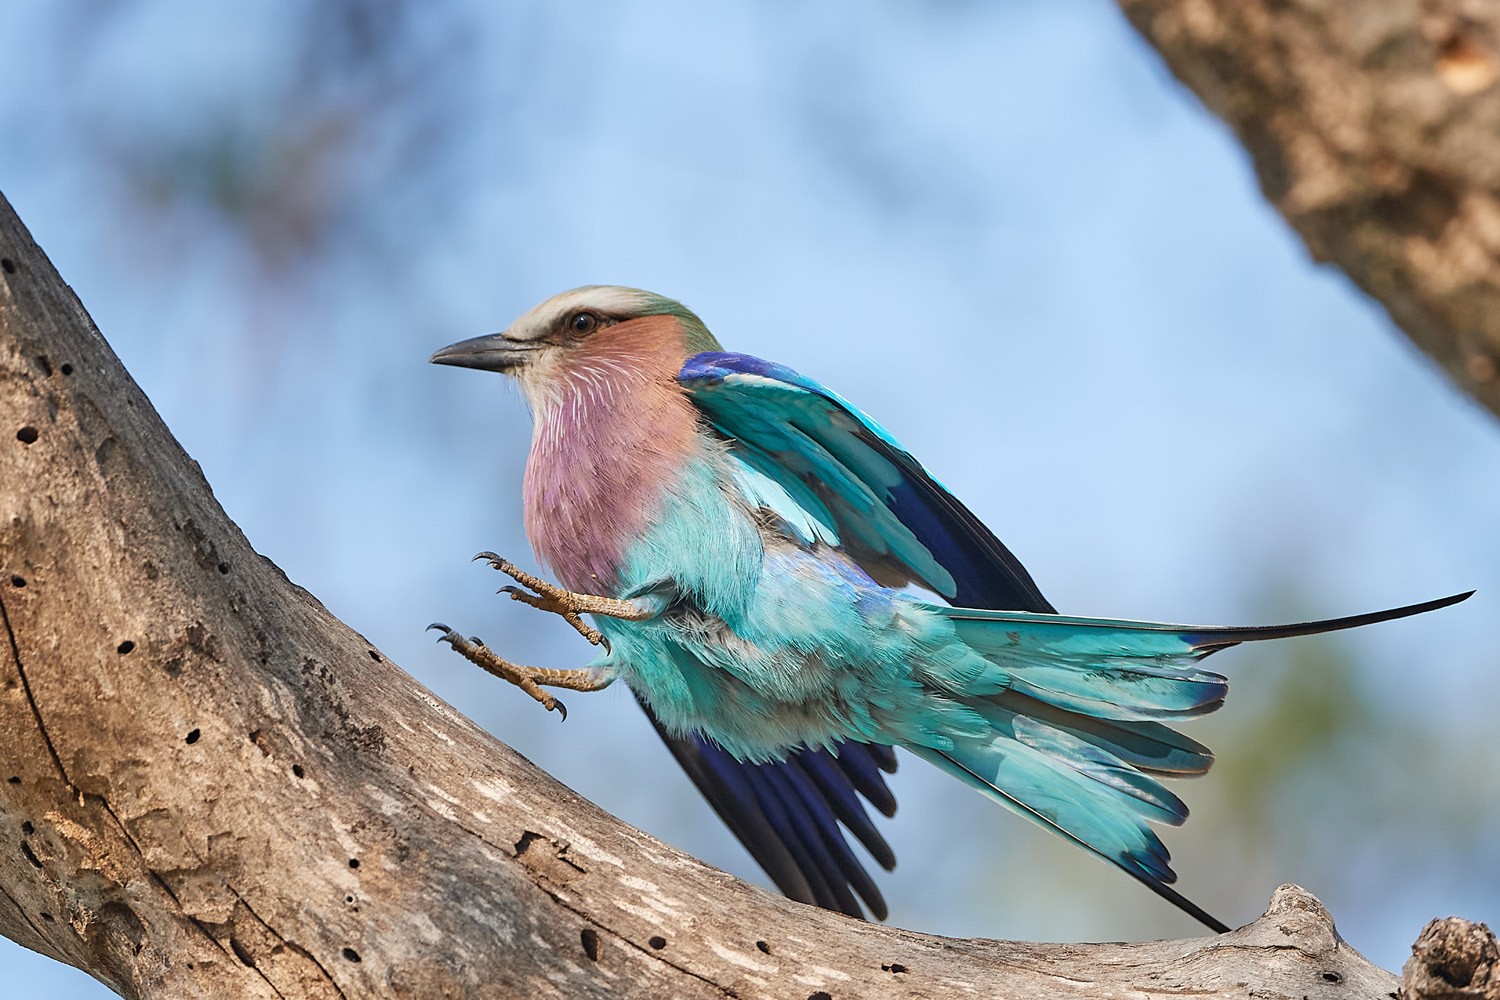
(493, 352)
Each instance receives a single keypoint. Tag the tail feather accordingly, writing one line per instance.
(1049, 792)
(1118, 669)
(1210, 640)
(1145, 797)
(1119, 838)
(1146, 746)
(1071, 704)
(1095, 667)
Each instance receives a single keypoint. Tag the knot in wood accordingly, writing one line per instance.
(1453, 958)
(1302, 916)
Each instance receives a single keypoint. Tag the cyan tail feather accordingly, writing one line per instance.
(1101, 668)
(1071, 704)
(1148, 746)
(1130, 693)
(1118, 669)
(1061, 798)
(1153, 800)
(1084, 817)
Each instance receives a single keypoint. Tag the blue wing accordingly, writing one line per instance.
(787, 813)
(843, 469)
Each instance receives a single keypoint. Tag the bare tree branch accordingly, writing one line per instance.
(1375, 130)
(1456, 959)
(210, 786)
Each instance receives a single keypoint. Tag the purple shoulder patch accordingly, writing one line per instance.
(715, 366)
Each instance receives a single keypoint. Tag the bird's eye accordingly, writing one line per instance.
(581, 323)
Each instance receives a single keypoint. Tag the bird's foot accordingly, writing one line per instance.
(550, 597)
(528, 679)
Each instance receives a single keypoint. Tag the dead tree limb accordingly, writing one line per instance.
(211, 787)
(1375, 131)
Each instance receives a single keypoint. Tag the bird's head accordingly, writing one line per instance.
(586, 336)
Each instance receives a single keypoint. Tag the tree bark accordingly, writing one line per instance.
(1374, 127)
(209, 786)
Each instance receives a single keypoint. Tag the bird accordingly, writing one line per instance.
(790, 596)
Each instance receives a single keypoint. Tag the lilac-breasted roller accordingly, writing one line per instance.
(744, 539)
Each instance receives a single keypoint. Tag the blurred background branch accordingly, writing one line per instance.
(1375, 131)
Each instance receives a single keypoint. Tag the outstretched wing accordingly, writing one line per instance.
(787, 814)
(860, 489)
(893, 516)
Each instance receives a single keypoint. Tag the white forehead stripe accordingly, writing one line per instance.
(611, 300)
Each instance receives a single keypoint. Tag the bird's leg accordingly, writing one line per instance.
(528, 679)
(550, 597)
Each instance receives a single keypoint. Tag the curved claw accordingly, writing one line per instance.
(439, 626)
(562, 709)
(487, 556)
(517, 594)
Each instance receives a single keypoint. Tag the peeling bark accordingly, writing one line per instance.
(1375, 130)
(209, 786)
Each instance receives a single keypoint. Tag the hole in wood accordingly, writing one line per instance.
(27, 435)
(657, 941)
(192, 737)
(66, 369)
(353, 862)
(820, 995)
(7, 265)
(124, 647)
(1333, 977)
(590, 939)
(351, 954)
(223, 567)
(18, 581)
(765, 949)
(49, 918)
(297, 770)
(894, 967)
(27, 829)
(240, 952)
(44, 364)
(30, 855)
(375, 656)
(14, 779)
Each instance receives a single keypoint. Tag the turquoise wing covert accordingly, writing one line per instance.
(864, 490)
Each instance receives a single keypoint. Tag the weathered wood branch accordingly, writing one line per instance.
(1375, 131)
(211, 787)
(1453, 958)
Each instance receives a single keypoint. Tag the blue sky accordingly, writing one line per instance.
(1000, 228)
